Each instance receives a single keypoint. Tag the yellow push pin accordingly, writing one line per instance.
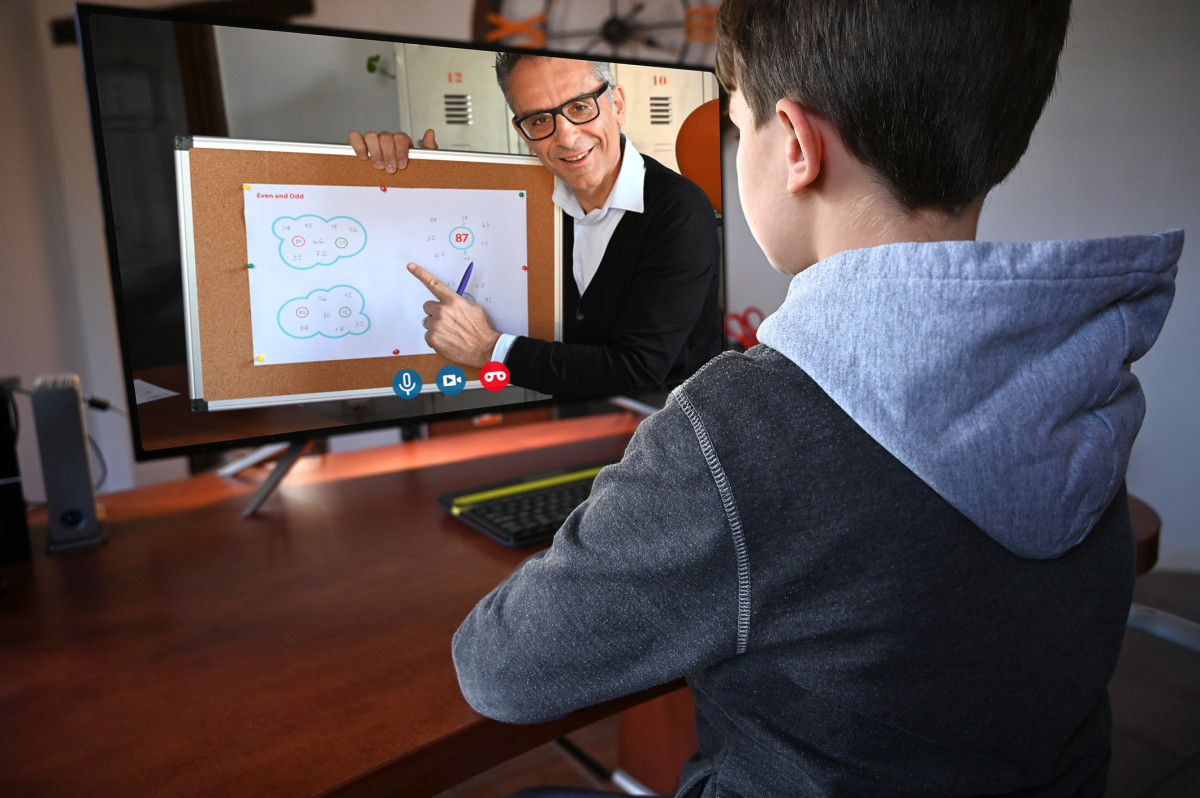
(245, 186)
(260, 358)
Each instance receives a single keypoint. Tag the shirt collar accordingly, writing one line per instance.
(628, 193)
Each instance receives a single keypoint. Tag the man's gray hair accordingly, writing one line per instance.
(506, 61)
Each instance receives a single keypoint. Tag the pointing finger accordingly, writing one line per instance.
(435, 286)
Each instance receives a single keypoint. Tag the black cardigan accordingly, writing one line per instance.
(649, 315)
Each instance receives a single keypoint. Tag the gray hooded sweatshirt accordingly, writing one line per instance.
(889, 549)
(998, 373)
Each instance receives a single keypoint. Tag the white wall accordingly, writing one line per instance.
(57, 307)
(26, 339)
(284, 96)
(1116, 153)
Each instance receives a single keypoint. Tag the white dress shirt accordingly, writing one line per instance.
(594, 230)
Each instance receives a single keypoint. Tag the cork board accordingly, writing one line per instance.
(211, 176)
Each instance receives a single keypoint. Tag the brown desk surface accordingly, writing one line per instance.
(300, 652)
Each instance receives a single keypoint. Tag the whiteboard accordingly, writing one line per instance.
(329, 278)
(294, 262)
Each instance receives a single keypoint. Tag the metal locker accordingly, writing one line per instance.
(657, 101)
(453, 91)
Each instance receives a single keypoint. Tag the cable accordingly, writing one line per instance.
(14, 413)
(101, 462)
(97, 403)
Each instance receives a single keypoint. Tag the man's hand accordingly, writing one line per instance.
(456, 328)
(388, 150)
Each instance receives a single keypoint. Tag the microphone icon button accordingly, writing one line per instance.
(406, 384)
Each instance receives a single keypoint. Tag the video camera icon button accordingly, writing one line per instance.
(406, 383)
(451, 380)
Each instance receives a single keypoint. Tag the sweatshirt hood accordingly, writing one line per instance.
(996, 372)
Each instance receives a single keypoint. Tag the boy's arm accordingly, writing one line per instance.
(640, 588)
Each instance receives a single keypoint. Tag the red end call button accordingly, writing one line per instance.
(494, 376)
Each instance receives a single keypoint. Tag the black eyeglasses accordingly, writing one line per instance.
(582, 109)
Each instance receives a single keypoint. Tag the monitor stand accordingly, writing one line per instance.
(291, 452)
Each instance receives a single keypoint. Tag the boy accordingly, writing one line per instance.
(889, 548)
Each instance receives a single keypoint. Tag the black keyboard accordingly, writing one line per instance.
(523, 511)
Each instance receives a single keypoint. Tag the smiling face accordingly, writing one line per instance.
(588, 156)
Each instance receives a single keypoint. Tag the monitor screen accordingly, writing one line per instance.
(259, 267)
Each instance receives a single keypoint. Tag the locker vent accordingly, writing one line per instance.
(662, 110)
(458, 109)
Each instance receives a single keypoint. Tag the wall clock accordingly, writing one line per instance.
(676, 31)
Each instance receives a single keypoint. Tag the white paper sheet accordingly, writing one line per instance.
(327, 265)
(147, 392)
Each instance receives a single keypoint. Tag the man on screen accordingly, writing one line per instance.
(640, 303)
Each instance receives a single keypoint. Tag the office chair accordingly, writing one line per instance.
(1146, 528)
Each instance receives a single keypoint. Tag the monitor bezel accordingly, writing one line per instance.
(85, 13)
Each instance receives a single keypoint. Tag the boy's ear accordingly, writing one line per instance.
(804, 144)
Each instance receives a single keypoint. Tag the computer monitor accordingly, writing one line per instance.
(162, 83)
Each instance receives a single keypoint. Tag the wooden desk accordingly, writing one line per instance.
(305, 651)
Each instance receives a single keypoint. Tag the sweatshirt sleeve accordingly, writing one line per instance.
(639, 588)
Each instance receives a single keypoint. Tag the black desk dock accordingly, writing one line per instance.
(525, 511)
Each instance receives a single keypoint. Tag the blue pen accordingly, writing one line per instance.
(463, 285)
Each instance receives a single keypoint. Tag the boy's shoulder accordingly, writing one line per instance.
(744, 399)
(735, 378)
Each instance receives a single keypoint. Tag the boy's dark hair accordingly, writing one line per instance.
(939, 97)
